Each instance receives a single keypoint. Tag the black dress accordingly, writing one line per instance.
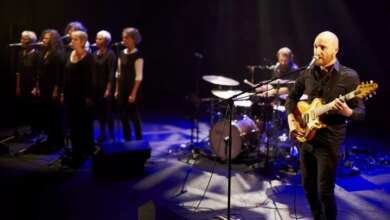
(125, 86)
(78, 81)
(29, 66)
(49, 78)
(105, 73)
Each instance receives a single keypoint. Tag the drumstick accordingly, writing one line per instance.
(249, 83)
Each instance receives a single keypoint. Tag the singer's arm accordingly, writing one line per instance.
(111, 75)
(139, 63)
(117, 76)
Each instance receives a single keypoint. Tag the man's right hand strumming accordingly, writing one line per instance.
(294, 126)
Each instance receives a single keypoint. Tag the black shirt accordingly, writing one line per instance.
(28, 68)
(79, 79)
(105, 71)
(52, 72)
(277, 73)
(127, 75)
(340, 80)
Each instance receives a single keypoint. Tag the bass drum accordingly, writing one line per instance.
(245, 134)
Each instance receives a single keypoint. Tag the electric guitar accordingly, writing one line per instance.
(309, 115)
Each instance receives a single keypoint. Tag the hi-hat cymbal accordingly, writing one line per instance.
(220, 80)
(225, 94)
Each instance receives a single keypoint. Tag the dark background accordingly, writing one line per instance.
(230, 34)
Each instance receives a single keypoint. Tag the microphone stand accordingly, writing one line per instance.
(230, 102)
(118, 120)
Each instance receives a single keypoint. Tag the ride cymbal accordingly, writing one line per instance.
(220, 80)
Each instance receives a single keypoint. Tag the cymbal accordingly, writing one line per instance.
(225, 94)
(303, 97)
(220, 80)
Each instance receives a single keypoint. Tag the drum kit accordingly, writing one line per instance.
(259, 124)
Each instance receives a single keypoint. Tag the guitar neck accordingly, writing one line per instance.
(327, 107)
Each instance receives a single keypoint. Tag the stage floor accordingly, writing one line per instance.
(178, 185)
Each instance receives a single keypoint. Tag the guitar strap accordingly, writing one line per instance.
(331, 84)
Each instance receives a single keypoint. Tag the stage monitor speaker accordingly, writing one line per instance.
(120, 160)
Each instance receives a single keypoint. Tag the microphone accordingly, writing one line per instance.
(15, 45)
(40, 43)
(274, 67)
(20, 44)
(65, 36)
(199, 55)
(93, 45)
(117, 44)
(313, 60)
(249, 83)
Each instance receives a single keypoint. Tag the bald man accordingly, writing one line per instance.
(319, 155)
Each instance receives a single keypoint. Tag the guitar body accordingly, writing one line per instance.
(308, 120)
(309, 114)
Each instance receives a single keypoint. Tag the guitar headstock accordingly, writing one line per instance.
(366, 89)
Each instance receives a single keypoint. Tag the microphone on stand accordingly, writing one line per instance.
(65, 37)
(20, 44)
(313, 60)
(249, 83)
(40, 43)
(15, 45)
(117, 44)
(199, 55)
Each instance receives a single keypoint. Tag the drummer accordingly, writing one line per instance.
(285, 64)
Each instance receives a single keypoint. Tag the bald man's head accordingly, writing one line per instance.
(326, 46)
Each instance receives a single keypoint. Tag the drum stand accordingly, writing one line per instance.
(265, 168)
(194, 146)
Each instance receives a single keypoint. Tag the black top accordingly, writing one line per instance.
(127, 74)
(78, 79)
(286, 75)
(28, 68)
(52, 72)
(339, 81)
(277, 73)
(105, 70)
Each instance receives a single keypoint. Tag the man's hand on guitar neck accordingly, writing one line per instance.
(294, 126)
(341, 106)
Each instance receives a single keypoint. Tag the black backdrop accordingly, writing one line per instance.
(229, 34)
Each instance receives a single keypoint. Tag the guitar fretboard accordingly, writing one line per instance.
(325, 108)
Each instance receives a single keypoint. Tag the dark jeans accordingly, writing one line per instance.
(105, 116)
(318, 165)
(126, 111)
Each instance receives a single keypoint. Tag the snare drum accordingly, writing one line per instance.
(244, 133)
